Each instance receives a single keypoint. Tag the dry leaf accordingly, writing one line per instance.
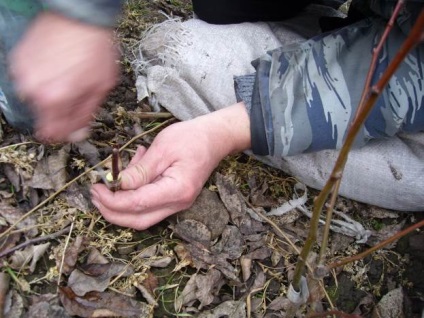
(13, 176)
(183, 256)
(188, 294)
(71, 255)
(231, 198)
(82, 283)
(15, 305)
(96, 304)
(208, 286)
(88, 151)
(50, 172)
(204, 259)
(149, 251)
(230, 244)
(4, 287)
(46, 306)
(193, 231)
(160, 262)
(147, 295)
(279, 303)
(31, 253)
(95, 257)
(391, 305)
(150, 282)
(246, 267)
(77, 197)
(209, 210)
(228, 309)
(12, 214)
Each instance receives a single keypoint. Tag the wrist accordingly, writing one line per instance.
(228, 128)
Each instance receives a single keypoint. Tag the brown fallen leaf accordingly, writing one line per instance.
(204, 259)
(150, 282)
(229, 309)
(15, 305)
(193, 231)
(50, 173)
(95, 257)
(209, 210)
(208, 286)
(71, 254)
(231, 198)
(4, 287)
(12, 214)
(46, 306)
(230, 244)
(83, 283)
(160, 262)
(391, 305)
(184, 257)
(188, 294)
(30, 254)
(96, 304)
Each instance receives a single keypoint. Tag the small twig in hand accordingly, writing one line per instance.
(35, 240)
(113, 179)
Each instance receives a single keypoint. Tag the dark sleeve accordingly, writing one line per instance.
(103, 13)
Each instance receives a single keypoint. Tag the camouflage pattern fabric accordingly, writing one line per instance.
(305, 96)
(99, 12)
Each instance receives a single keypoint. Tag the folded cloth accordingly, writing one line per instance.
(189, 68)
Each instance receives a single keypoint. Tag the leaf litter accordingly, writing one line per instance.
(219, 258)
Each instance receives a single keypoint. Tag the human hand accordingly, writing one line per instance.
(63, 69)
(167, 177)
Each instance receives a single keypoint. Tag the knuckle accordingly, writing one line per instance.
(141, 173)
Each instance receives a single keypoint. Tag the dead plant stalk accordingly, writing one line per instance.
(414, 38)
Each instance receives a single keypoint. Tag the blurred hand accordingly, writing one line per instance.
(167, 177)
(63, 69)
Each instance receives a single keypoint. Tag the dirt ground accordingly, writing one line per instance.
(220, 258)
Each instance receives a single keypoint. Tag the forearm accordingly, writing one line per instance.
(228, 129)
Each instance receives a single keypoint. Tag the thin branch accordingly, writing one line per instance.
(35, 241)
(377, 51)
(68, 238)
(151, 115)
(412, 40)
(376, 247)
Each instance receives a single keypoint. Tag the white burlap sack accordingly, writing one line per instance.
(188, 68)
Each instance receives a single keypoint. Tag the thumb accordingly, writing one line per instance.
(143, 171)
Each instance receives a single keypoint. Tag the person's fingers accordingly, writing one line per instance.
(141, 150)
(140, 221)
(150, 165)
(166, 191)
